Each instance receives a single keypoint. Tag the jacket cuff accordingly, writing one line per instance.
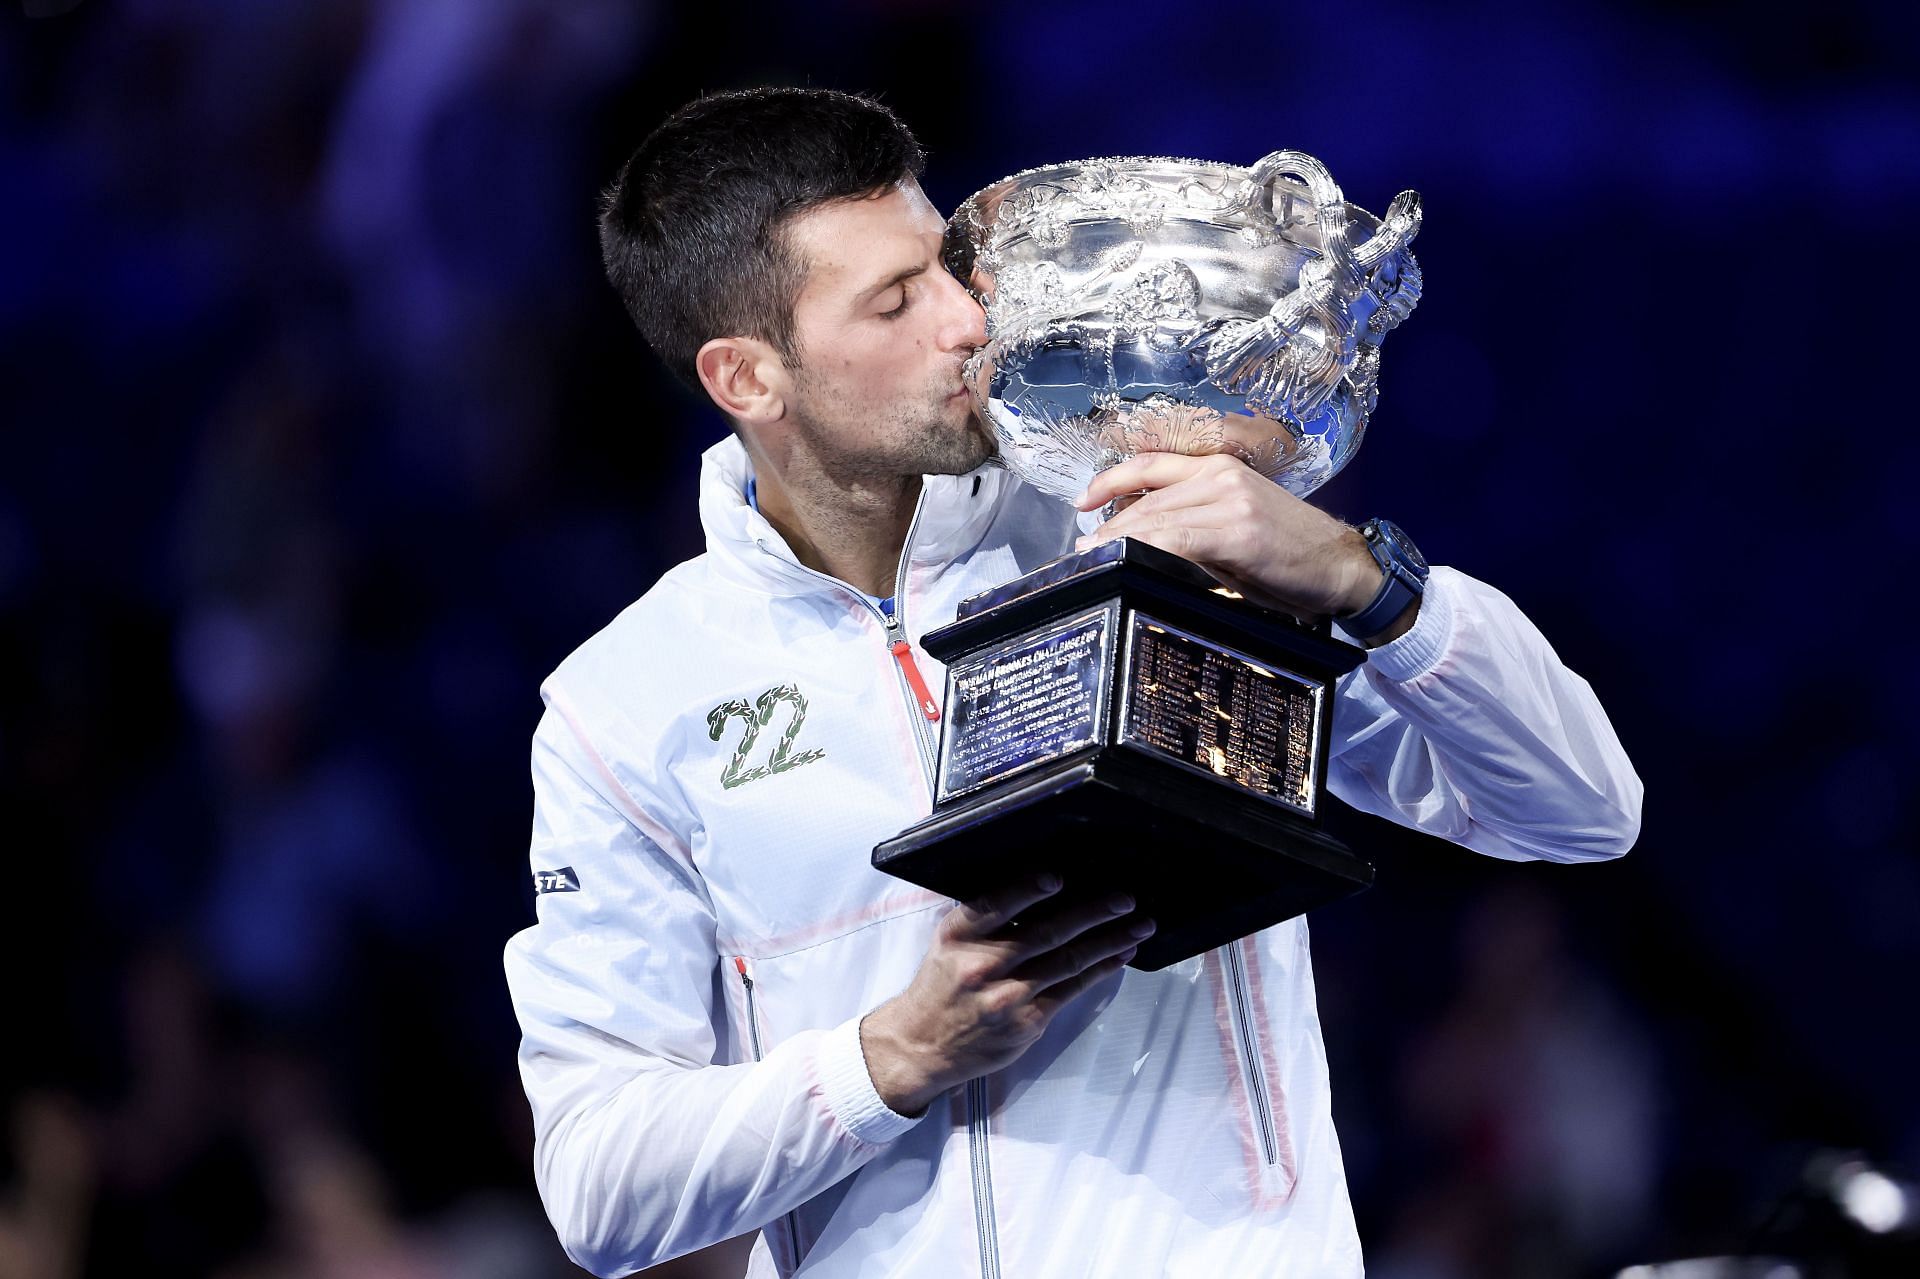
(1427, 640)
(849, 1088)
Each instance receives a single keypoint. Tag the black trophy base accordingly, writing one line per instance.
(1117, 818)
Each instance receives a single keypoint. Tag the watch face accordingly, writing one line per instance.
(1401, 547)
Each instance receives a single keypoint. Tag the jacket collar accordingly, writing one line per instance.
(953, 515)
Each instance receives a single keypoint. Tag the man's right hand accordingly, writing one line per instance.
(997, 972)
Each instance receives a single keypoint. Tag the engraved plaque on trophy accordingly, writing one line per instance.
(1115, 716)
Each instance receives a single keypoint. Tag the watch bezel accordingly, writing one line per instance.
(1403, 573)
(1399, 548)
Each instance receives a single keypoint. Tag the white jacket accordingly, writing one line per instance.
(691, 993)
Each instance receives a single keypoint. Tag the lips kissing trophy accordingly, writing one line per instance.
(1116, 716)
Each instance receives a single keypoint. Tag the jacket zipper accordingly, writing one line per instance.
(903, 654)
(753, 1038)
(926, 712)
(983, 1218)
(1243, 1023)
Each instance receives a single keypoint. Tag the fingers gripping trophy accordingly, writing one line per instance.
(1116, 715)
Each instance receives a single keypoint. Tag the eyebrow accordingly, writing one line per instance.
(898, 277)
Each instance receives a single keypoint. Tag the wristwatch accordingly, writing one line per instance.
(1405, 570)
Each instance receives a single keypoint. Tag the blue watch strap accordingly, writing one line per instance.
(1405, 579)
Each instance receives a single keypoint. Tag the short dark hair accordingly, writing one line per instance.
(693, 231)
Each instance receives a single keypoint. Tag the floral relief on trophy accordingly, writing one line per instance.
(1025, 299)
(1238, 203)
(1040, 213)
(988, 262)
(1395, 291)
(1363, 384)
(1051, 447)
(1105, 191)
(1160, 304)
(1161, 423)
(1257, 236)
(1024, 295)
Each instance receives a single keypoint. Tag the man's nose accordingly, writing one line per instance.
(969, 320)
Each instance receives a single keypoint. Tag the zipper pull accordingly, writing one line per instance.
(740, 966)
(903, 654)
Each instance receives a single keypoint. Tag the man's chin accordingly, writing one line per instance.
(966, 450)
(982, 446)
(980, 434)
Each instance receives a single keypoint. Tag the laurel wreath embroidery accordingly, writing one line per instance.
(756, 717)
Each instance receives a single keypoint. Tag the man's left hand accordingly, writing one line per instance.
(1251, 534)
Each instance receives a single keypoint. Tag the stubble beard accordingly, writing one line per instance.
(917, 440)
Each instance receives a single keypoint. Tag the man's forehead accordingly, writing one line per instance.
(850, 245)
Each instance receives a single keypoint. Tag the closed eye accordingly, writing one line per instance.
(902, 280)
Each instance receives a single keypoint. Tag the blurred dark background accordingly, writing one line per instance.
(325, 440)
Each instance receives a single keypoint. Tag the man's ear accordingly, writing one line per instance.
(745, 377)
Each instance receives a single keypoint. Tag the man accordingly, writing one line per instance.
(731, 1022)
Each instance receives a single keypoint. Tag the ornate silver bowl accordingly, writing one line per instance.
(1144, 303)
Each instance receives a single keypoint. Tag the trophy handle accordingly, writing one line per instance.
(1329, 205)
(1288, 362)
(1396, 229)
(1395, 232)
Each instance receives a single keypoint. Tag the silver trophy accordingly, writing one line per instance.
(1115, 715)
(1181, 306)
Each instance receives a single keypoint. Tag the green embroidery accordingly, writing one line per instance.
(735, 773)
(757, 717)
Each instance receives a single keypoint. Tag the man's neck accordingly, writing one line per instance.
(851, 529)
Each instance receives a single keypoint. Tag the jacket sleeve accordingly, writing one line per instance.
(644, 1147)
(1470, 728)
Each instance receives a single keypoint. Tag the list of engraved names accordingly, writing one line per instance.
(1219, 712)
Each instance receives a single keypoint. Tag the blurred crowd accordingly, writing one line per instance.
(325, 440)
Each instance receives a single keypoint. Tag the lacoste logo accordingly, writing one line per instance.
(555, 881)
(756, 717)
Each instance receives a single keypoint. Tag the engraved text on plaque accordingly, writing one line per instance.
(1223, 713)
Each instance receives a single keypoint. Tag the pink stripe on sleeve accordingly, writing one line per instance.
(614, 791)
